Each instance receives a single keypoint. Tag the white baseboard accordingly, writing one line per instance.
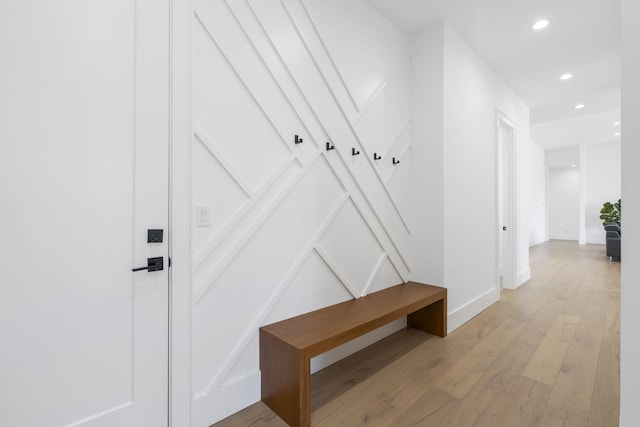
(230, 398)
(538, 241)
(523, 276)
(596, 241)
(563, 237)
(468, 311)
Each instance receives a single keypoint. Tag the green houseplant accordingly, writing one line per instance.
(610, 212)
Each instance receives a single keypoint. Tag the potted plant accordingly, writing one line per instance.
(610, 213)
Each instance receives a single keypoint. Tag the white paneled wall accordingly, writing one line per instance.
(286, 228)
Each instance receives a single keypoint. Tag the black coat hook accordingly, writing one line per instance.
(395, 162)
(376, 157)
(330, 147)
(298, 140)
(354, 152)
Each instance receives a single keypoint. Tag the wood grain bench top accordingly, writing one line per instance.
(321, 330)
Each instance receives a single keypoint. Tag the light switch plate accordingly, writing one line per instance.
(203, 216)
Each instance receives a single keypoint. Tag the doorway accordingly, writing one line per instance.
(506, 237)
(84, 170)
(564, 203)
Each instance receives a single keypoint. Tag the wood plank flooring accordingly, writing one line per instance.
(547, 354)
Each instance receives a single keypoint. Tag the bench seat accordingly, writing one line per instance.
(286, 347)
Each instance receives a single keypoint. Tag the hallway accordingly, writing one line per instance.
(546, 354)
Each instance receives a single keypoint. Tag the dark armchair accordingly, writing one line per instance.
(613, 240)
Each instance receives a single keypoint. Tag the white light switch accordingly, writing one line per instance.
(203, 216)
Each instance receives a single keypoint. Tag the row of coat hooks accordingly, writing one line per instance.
(329, 146)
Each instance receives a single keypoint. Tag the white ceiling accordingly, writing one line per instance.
(594, 129)
(583, 39)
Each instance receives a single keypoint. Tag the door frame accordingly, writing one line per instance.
(505, 214)
(180, 219)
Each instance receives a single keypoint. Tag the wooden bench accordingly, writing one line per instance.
(287, 347)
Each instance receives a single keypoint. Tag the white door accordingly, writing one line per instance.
(83, 175)
(506, 203)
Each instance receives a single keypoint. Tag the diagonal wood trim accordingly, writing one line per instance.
(349, 123)
(215, 240)
(391, 171)
(403, 150)
(375, 273)
(336, 270)
(226, 164)
(276, 55)
(376, 215)
(329, 56)
(394, 141)
(362, 110)
(321, 124)
(100, 414)
(199, 294)
(383, 184)
(400, 155)
(201, 288)
(401, 64)
(211, 37)
(239, 379)
(383, 86)
(250, 331)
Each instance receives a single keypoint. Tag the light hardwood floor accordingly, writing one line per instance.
(547, 354)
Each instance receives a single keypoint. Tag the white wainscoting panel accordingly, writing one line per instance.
(386, 275)
(245, 364)
(314, 287)
(388, 114)
(352, 248)
(294, 227)
(364, 46)
(215, 183)
(240, 292)
(228, 113)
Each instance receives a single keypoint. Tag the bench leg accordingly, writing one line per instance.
(286, 381)
(431, 319)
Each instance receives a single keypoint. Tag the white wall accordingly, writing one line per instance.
(564, 203)
(537, 195)
(292, 227)
(598, 180)
(603, 184)
(630, 316)
(563, 193)
(472, 94)
(563, 157)
(427, 100)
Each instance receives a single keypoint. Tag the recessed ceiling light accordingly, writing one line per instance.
(574, 166)
(566, 76)
(616, 134)
(579, 106)
(616, 123)
(540, 24)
